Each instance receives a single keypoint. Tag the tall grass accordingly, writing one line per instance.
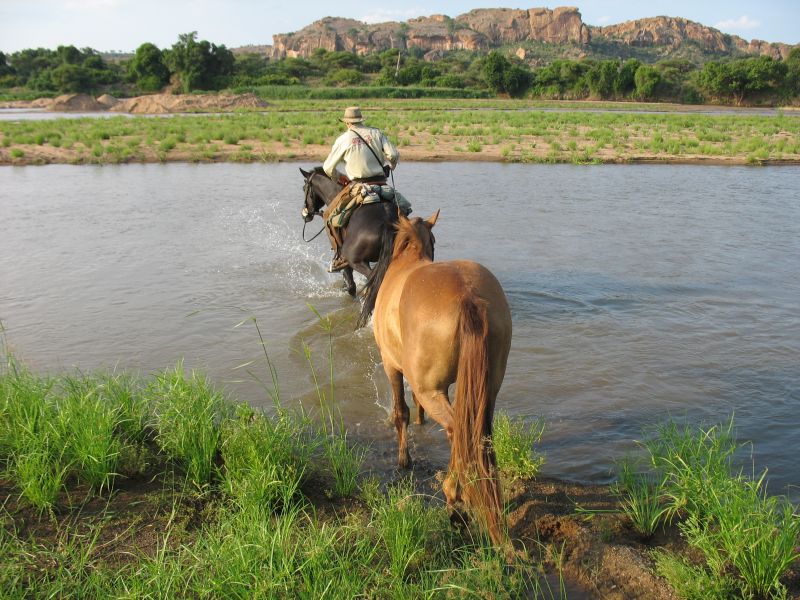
(265, 460)
(88, 422)
(748, 538)
(515, 443)
(186, 416)
(260, 536)
(641, 499)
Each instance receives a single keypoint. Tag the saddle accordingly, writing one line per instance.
(358, 193)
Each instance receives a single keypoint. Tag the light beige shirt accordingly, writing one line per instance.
(358, 161)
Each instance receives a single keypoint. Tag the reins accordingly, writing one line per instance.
(311, 239)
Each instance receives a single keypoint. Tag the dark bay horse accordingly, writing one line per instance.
(438, 324)
(363, 237)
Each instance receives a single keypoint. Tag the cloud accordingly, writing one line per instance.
(603, 20)
(743, 23)
(388, 14)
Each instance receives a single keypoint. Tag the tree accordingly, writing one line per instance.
(625, 83)
(517, 80)
(601, 77)
(738, 78)
(494, 69)
(147, 68)
(646, 79)
(5, 68)
(199, 65)
(792, 79)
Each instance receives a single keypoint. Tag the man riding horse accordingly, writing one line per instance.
(368, 157)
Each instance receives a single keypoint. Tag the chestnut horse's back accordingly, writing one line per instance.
(429, 320)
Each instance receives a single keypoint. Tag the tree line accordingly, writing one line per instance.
(192, 64)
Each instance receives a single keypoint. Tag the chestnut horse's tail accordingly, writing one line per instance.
(472, 456)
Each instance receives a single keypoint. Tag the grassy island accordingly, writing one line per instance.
(424, 130)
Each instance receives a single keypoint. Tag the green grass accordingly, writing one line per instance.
(289, 124)
(514, 443)
(641, 500)
(186, 415)
(259, 537)
(256, 533)
(748, 539)
(266, 460)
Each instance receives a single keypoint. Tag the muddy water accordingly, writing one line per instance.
(638, 293)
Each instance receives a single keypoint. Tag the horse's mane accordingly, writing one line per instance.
(406, 236)
(397, 238)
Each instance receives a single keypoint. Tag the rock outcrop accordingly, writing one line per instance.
(486, 28)
(479, 29)
(671, 32)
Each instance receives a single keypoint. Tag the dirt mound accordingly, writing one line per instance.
(177, 103)
(75, 103)
(144, 105)
(107, 100)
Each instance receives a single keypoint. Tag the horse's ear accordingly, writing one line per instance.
(305, 173)
(431, 221)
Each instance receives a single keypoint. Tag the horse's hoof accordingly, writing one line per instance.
(404, 462)
(459, 519)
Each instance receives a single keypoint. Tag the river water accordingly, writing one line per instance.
(638, 292)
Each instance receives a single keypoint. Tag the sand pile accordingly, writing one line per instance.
(107, 100)
(75, 103)
(169, 103)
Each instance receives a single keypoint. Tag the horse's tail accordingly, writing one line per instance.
(473, 461)
(373, 284)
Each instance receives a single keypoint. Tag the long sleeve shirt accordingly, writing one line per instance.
(359, 162)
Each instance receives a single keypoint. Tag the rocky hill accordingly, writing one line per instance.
(484, 29)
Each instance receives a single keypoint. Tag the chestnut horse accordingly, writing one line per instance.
(438, 324)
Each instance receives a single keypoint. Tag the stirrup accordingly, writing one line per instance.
(337, 264)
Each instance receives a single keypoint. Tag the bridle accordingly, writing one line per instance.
(309, 210)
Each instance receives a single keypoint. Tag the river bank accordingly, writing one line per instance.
(115, 486)
(423, 130)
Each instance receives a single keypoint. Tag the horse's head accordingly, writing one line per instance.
(313, 200)
(418, 233)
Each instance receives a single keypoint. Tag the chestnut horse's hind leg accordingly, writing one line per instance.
(400, 414)
(420, 410)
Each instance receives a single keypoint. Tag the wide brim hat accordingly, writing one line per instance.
(352, 114)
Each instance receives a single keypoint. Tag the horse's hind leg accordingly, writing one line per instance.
(347, 273)
(400, 414)
(362, 267)
(420, 410)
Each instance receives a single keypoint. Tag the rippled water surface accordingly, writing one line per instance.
(637, 292)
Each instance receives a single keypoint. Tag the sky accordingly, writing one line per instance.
(122, 25)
